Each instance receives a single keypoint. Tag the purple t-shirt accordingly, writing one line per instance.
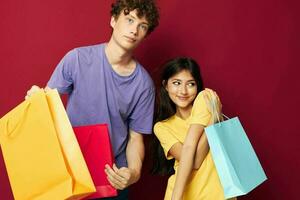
(97, 94)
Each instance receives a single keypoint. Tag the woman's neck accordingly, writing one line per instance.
(184, 113)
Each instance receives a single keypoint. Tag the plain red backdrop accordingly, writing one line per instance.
(248, 52)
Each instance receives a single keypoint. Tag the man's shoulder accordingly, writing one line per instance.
(145, 76)
(89, 48)
(86, 54)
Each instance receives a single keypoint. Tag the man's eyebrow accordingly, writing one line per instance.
(136, 18)
(132, 16)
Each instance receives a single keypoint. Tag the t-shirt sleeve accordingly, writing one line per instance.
(200, 113)
(141, 119)
(63, 75)
(166, 138)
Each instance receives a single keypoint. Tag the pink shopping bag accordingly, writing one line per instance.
(96, 148)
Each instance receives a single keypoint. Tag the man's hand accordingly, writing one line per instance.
(34, 89)
(120, 178)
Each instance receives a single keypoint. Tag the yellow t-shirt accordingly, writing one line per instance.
(204, 183)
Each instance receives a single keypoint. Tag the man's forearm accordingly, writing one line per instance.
(135, 153)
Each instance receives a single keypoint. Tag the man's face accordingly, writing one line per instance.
(129, 30)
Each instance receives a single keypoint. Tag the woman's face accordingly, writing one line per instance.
(182, 89)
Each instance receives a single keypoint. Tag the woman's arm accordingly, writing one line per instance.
(201, 152)
(195, 147)
(187, 161)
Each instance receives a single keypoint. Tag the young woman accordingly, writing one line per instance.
(182, 116)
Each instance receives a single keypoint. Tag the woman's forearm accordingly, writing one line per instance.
(186, 162)
(201, 152)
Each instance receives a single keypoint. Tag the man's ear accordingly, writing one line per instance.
(113, 21)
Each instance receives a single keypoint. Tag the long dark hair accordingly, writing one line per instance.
(165, 108)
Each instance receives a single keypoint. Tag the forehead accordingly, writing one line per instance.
(183, 75)
(134, 14)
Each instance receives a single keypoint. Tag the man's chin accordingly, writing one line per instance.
(129, 47)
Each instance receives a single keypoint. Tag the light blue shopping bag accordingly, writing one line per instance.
(237, 165)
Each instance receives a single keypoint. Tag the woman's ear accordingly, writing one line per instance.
(164, 84)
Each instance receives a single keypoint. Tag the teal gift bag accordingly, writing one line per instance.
(237, 165)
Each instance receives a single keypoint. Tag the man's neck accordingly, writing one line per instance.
(116, 55)
(121, 60)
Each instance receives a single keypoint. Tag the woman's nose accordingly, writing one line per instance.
(183, 90)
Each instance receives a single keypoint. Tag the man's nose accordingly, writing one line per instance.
(134, 29)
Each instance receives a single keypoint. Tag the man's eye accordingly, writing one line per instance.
(144, 27)
(130, 20)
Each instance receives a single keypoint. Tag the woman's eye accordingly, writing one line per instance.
(191, 84)
(176, 83)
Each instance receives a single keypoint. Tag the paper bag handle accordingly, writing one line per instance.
(10, 133)
(215, 114)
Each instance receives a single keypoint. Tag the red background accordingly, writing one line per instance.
(248, 52)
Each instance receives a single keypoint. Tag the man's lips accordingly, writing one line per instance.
(130, 39)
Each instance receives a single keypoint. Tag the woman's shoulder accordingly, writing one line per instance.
(204, 94)
(160, 124)
(164, 124)
(200, 96)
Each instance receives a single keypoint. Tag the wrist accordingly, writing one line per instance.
(135, 174)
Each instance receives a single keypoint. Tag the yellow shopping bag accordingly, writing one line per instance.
(33, 155)
(82, 182)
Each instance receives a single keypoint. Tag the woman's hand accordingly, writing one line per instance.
(210, 95)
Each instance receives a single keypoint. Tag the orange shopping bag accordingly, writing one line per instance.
(37, 164)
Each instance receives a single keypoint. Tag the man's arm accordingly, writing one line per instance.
(121, 178)
(135, 153)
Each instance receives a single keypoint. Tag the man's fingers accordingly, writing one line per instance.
(112, 177)
(114, 184)
(47, 89)
(32, 90)
(115, 168)
(115, 175)
(119, 174)
(113, 172)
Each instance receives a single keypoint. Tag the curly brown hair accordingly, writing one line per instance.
(145, 8)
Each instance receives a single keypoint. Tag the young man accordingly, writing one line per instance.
(106, 84)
